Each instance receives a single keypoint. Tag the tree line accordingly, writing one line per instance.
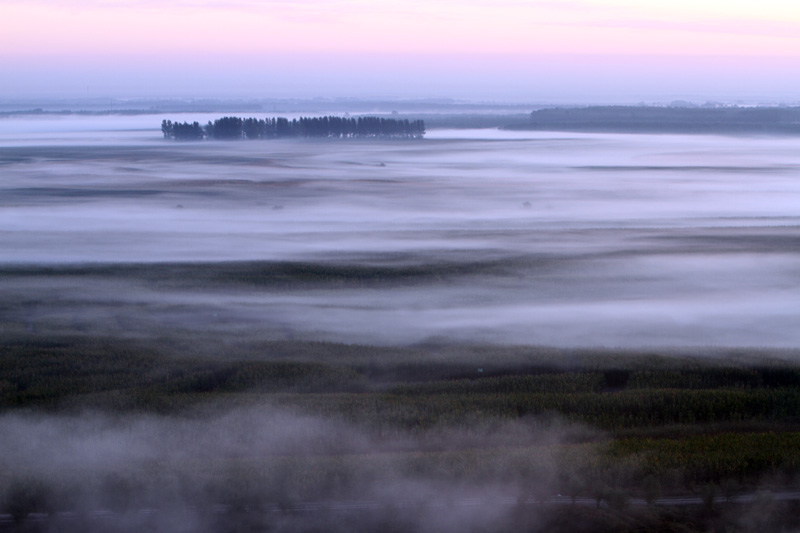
(653, 119)
(331, 127)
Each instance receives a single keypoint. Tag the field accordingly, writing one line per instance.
(480, 331)
(281, 423)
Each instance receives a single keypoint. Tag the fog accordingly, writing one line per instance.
(97, 473)
(473, 235)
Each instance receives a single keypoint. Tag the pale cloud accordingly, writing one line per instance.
(732, 27)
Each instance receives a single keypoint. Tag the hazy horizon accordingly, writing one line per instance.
(496, 79)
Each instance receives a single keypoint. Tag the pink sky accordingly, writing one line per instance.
(751, 49)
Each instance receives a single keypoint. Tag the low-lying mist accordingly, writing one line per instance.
(480, 236)
(303, 336)
(199, 473)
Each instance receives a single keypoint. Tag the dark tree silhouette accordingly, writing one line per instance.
(328, 127)
(228, 128)
(182, 131)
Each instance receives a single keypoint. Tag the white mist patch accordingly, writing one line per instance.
(523, 237)
(210, 468)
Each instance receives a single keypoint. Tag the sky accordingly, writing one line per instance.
(481, 50)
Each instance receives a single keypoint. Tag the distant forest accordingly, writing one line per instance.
(228, 128)
(651, 119)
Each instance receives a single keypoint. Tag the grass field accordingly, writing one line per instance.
(397, 336)
(292, 421)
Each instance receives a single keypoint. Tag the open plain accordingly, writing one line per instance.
(480, 316)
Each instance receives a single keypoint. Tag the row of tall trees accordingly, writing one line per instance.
(182, 130)
(305, 127)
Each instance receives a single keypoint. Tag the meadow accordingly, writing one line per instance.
(281, 423)
(482, 330)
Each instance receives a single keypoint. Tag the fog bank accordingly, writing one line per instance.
(510, 237)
